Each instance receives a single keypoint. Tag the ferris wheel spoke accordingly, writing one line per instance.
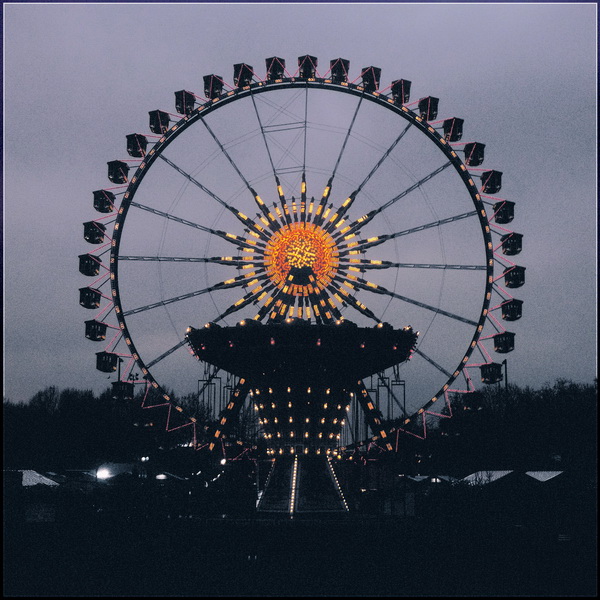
(383, 158)
(257, 199)
(278, 301)
(225, 153)
(303, 205)
(271, 129)
(252, 296)
(383, 380)
(432, 362)
(365, 219)
(318, 219)
(230, 412)
(283, 302)
(348, 132)
(264, 137)
(228, 237)
(234, 211)
(235, 261)
(167, 353)
(358, 247)
(206, 385)
(377, 289)
(372, 413)
(327, 305)
(313, 302)
(230, 283)
(323, 306)
(305, 140)
(363, 264)
(344, 296)
(345, 207)
(361, 308)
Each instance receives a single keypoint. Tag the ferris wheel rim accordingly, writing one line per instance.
(290, 83)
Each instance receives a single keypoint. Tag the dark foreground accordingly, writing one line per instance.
(353, 556)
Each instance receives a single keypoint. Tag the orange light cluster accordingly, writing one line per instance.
(300, 245)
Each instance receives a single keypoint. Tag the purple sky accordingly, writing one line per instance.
(78, 78)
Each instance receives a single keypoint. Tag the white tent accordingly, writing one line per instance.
(34, 478)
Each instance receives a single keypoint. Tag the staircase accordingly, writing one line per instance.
(316, 489)
(276, 497)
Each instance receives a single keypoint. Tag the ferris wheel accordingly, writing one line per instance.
(304, 198)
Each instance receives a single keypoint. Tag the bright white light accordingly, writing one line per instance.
(223, 461)
(103, 474)
(161, 476)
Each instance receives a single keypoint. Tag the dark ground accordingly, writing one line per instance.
(356, 556)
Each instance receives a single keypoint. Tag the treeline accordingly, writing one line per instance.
(492, 428)
(508, 428)
(73, 428)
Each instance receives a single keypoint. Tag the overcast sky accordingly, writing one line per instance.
(78, 78)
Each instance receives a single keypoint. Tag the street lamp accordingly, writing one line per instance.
(103, 473)
(505, 363)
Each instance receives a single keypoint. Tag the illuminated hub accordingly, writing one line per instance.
(301, 250)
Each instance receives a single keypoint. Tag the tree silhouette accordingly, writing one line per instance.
(494, 428)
